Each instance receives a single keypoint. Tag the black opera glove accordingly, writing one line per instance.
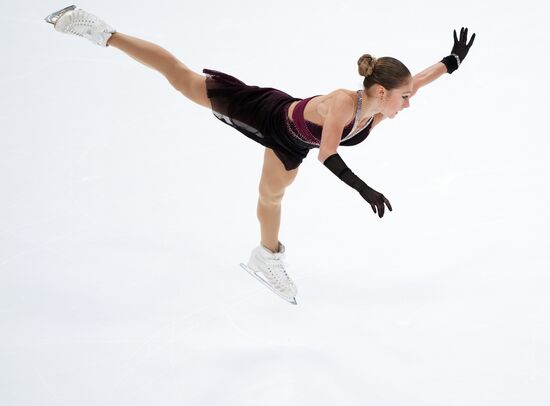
(340, 169)
(459, 51)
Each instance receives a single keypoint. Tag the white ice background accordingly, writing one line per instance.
(125, 210)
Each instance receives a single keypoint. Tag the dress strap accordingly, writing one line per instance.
(357, 115)
(359, 104)
(355, 130)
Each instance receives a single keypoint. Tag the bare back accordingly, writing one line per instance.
(317, 108)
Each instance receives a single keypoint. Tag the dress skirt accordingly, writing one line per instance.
(260, 113)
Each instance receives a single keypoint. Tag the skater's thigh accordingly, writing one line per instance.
(191, 84)
(275, 178)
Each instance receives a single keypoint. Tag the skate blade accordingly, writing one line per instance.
(265, 283)
(53, 17)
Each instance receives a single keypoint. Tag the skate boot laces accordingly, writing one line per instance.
(81, 23)
(277, 271)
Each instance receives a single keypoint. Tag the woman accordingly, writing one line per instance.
(288, 127)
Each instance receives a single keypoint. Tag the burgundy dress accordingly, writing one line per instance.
(261, 113)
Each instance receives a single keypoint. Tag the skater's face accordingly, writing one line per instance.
(396, 100)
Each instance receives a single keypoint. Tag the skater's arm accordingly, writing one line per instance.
(335, 120)
(377, 201)
(428, 75)
(338, 114)
(449, 64)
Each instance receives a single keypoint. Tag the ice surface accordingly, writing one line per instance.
(126, 210)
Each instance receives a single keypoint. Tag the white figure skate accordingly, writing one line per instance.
(269, 269)
(73, 20)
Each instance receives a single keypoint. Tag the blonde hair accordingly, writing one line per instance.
(386, 71)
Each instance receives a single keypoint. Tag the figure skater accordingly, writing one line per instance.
(286, 126)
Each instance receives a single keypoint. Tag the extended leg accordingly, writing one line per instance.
(75, 21)
(189, 83)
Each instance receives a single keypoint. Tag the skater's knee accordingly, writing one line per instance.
(270, 195)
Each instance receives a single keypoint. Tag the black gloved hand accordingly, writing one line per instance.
(377, 200)
(460, 50)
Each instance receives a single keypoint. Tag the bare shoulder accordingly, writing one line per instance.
(339, 101)
(341, 98)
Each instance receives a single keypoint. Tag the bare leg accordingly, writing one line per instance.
(190, 84)
(275, 179)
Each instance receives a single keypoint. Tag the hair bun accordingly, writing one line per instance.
(366, 65)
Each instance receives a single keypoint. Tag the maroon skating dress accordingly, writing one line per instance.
(261, 113)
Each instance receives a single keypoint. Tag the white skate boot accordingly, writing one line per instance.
(73, 20)
(269, 268)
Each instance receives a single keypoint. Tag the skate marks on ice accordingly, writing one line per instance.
(259, 277)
